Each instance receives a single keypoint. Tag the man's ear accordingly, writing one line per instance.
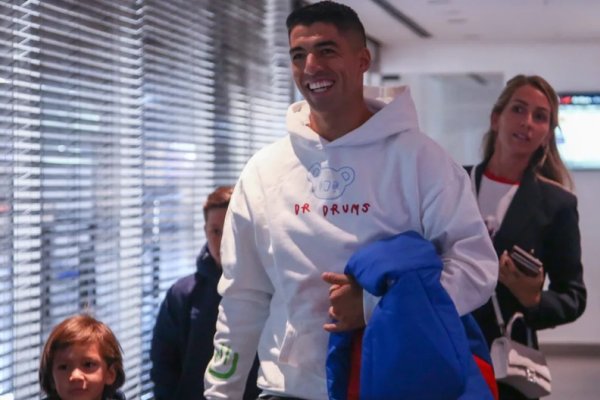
(365, 59)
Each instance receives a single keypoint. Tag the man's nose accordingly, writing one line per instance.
(313, 64)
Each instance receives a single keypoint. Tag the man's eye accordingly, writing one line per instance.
(297, 56)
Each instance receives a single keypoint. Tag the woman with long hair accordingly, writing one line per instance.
(524, 195)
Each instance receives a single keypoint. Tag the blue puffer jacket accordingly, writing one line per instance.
(415, 345)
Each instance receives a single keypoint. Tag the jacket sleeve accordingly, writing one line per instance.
(565, 299)
(246, 291)
(165, 351)
(452, 221)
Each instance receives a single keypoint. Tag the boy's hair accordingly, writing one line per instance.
(341, 16)
(77, 330)
(219, 198)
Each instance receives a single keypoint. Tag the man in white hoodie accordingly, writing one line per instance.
(350, 172)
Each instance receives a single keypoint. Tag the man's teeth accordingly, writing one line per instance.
(320, 86)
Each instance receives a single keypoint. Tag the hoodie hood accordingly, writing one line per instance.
(391, 116)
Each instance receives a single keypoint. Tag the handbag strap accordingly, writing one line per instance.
(498, 313)
(512, 320)
(507, 331)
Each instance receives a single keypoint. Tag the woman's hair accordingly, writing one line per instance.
(219, 198)
(81, 330)
(546, 160)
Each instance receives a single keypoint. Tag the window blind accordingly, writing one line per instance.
(117, 118)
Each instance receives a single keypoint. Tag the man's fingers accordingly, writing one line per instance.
(335, 279)
(333, 288)
(334, 327)
(345, 299)
(332, 314)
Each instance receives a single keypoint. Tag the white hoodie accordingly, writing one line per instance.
(302, 206)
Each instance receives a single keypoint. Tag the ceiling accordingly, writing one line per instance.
(484, 21)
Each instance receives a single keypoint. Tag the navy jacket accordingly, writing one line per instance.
(415, 345)
(182, 343)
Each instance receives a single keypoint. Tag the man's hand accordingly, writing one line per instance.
(346, 303)
(528, 290)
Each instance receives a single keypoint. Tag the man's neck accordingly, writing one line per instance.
(334, 125)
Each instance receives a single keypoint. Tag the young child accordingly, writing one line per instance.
(82, 360)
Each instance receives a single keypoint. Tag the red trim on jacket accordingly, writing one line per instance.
(355, 360)
(487, 371)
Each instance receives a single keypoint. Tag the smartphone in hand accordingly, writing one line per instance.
(526, 262)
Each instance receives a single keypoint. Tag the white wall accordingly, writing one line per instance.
(568, 67)
(454, 109)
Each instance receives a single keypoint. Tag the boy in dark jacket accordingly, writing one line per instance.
(182, 344)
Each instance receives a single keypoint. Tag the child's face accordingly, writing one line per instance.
(80, 373)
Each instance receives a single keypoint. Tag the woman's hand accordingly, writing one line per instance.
(527, 289)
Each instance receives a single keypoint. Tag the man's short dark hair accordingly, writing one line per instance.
(341, 16)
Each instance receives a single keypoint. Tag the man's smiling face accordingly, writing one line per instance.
(328, 66)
